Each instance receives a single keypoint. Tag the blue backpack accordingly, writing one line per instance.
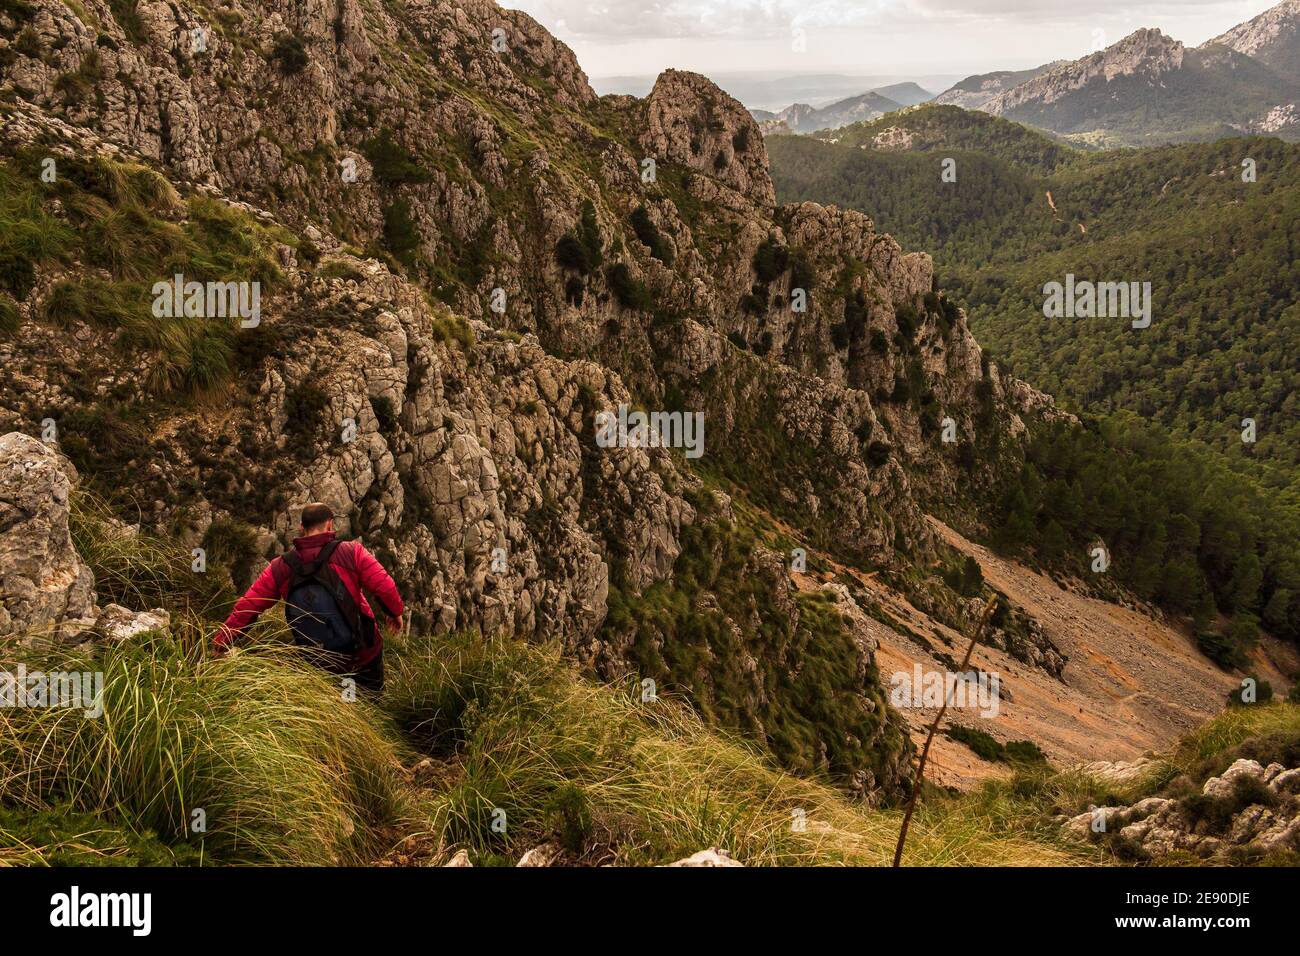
(319, 607)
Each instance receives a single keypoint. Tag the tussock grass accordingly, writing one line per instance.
(1233, 727)
(60, 836)
(130, 222)
(10, 319)
(283, 770)
(138, 570)
(1210, 748)
(289, 771)
(633, 782)
(28, 233)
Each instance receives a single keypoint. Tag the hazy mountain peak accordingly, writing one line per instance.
(1147, 87)
(1273, 37)
(803, 118)
(1146, 51)
(974, 91)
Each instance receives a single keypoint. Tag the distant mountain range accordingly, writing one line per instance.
(762, 91)
(803, 118)
(1146, 89)
(1149, 88)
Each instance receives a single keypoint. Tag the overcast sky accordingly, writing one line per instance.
(906, 37)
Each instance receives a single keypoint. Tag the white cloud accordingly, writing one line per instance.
(907, 37)
(750, 19)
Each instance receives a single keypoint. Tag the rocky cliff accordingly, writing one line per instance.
(1273, 38)
(464, 256)
(974, 91)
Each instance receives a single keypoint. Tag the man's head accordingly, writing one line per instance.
(317, 517)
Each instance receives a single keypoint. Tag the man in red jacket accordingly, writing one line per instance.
(327, 578)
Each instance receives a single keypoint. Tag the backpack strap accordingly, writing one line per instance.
(310, 568)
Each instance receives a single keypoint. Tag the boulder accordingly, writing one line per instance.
(710, 857)
(543, 855)
(43, 581)
(45, 587)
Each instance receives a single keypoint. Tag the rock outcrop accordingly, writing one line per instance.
(691, 122)
(1273, 38)
(710, 857)
(46, 590)
(43, 581)
(1244, 813)
(975, 91)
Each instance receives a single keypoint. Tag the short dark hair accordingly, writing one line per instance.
(316, 514)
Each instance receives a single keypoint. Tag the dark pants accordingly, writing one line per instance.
(371, 677)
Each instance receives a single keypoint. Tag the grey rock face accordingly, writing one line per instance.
(1148, 53)
(690, 121)
(43, 581)
(710, 857)
(1273, 37)
(46, 589)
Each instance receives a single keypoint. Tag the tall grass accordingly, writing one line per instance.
(288, 772)
(130, 221)
(138, 570)
(285, 769)
(258, 746)
(620, 780)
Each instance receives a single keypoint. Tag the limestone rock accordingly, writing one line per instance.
(116, 623)
(43, 580)
(710, 857)
(543, 855)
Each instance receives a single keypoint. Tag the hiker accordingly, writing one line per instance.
(321, 582)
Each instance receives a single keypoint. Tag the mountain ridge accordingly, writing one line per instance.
(462, 259)
(1149, 88)
(1273, 38)
(802, 118)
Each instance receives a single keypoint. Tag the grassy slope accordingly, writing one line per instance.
(287, 770)
(118, 228)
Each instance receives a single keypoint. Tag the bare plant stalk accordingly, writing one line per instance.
(985, 615)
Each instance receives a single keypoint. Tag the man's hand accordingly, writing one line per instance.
(223, 641)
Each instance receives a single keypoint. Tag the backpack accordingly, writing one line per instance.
(320, 609)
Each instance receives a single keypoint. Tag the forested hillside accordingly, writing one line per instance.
(936, 126)
(1198, 529)
(1221, 255)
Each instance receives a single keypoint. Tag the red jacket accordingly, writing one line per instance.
(356, 567)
